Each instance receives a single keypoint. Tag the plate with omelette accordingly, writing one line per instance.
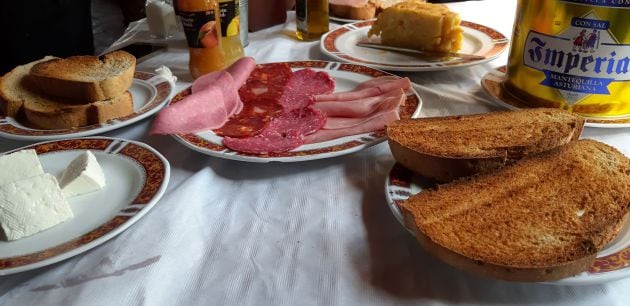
(418, 26)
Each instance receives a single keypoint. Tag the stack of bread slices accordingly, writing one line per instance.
(55, 93)
(522, 199)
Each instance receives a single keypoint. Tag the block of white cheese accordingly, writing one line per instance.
(31, 205)
(82, 175)
(19, 165)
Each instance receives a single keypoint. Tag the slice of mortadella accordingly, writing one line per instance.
(202, 111)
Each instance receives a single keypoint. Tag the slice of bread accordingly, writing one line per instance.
(13, 88)
(85, 78)
(543, 218)
(446, 148)
(360, 9)
(357, 10)
(20, 100)
(47, 114)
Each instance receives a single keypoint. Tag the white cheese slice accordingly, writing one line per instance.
(82, 175)
(31, 205)
(19, 165)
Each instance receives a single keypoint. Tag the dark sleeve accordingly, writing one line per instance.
(32, 29)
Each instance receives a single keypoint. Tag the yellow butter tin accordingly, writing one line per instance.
(572, 54)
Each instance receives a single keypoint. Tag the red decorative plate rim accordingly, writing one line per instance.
(499, 44)
(163, 88)
(157, 170)
(398, 187)
(412, 106)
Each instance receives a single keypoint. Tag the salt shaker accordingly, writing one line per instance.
(160, 18)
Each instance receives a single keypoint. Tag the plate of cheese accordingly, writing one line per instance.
(64, 197)
(422, 27)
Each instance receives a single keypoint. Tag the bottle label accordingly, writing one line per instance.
(230, 18)
(201, 29)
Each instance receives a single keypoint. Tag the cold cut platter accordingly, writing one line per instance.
(352, 103)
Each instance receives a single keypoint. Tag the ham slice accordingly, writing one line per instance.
(362, 108)
(224, 81)
(241, 69)
(199, 112)
(375, 87)
(373, 124)
(213, 99)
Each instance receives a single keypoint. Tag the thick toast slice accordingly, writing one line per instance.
(19, 100)
(543, 218)
(55, 115)
(446, 148)
(13, 89)
(85, 78)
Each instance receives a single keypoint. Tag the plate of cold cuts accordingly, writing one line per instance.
(287, 111)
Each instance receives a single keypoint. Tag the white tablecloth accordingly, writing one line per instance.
(317, 232)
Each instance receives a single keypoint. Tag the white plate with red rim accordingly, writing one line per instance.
(136, 176)
(341, 44)
(347, 76)
(150, 92)
(612, 263)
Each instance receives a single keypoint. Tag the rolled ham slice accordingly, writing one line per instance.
(373, 124)
(195, 113)
(214, 98)
(363, 108)
(224, 81)
(375, 87)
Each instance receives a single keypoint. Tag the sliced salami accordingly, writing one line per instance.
(260, 95)
(282, 134)
(303, 86)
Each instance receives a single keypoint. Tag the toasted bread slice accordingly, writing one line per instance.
(13, 88)
(41, 111)
(85, 79)
(446, 148)
(543, 218)
(358, 10)
(47, 114)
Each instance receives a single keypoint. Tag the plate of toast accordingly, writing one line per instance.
(56, 98)
(548, 208)
(92, 200)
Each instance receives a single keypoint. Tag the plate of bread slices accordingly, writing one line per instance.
(414, 36)
(513, 195)
(61, 198)
(55, 98)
